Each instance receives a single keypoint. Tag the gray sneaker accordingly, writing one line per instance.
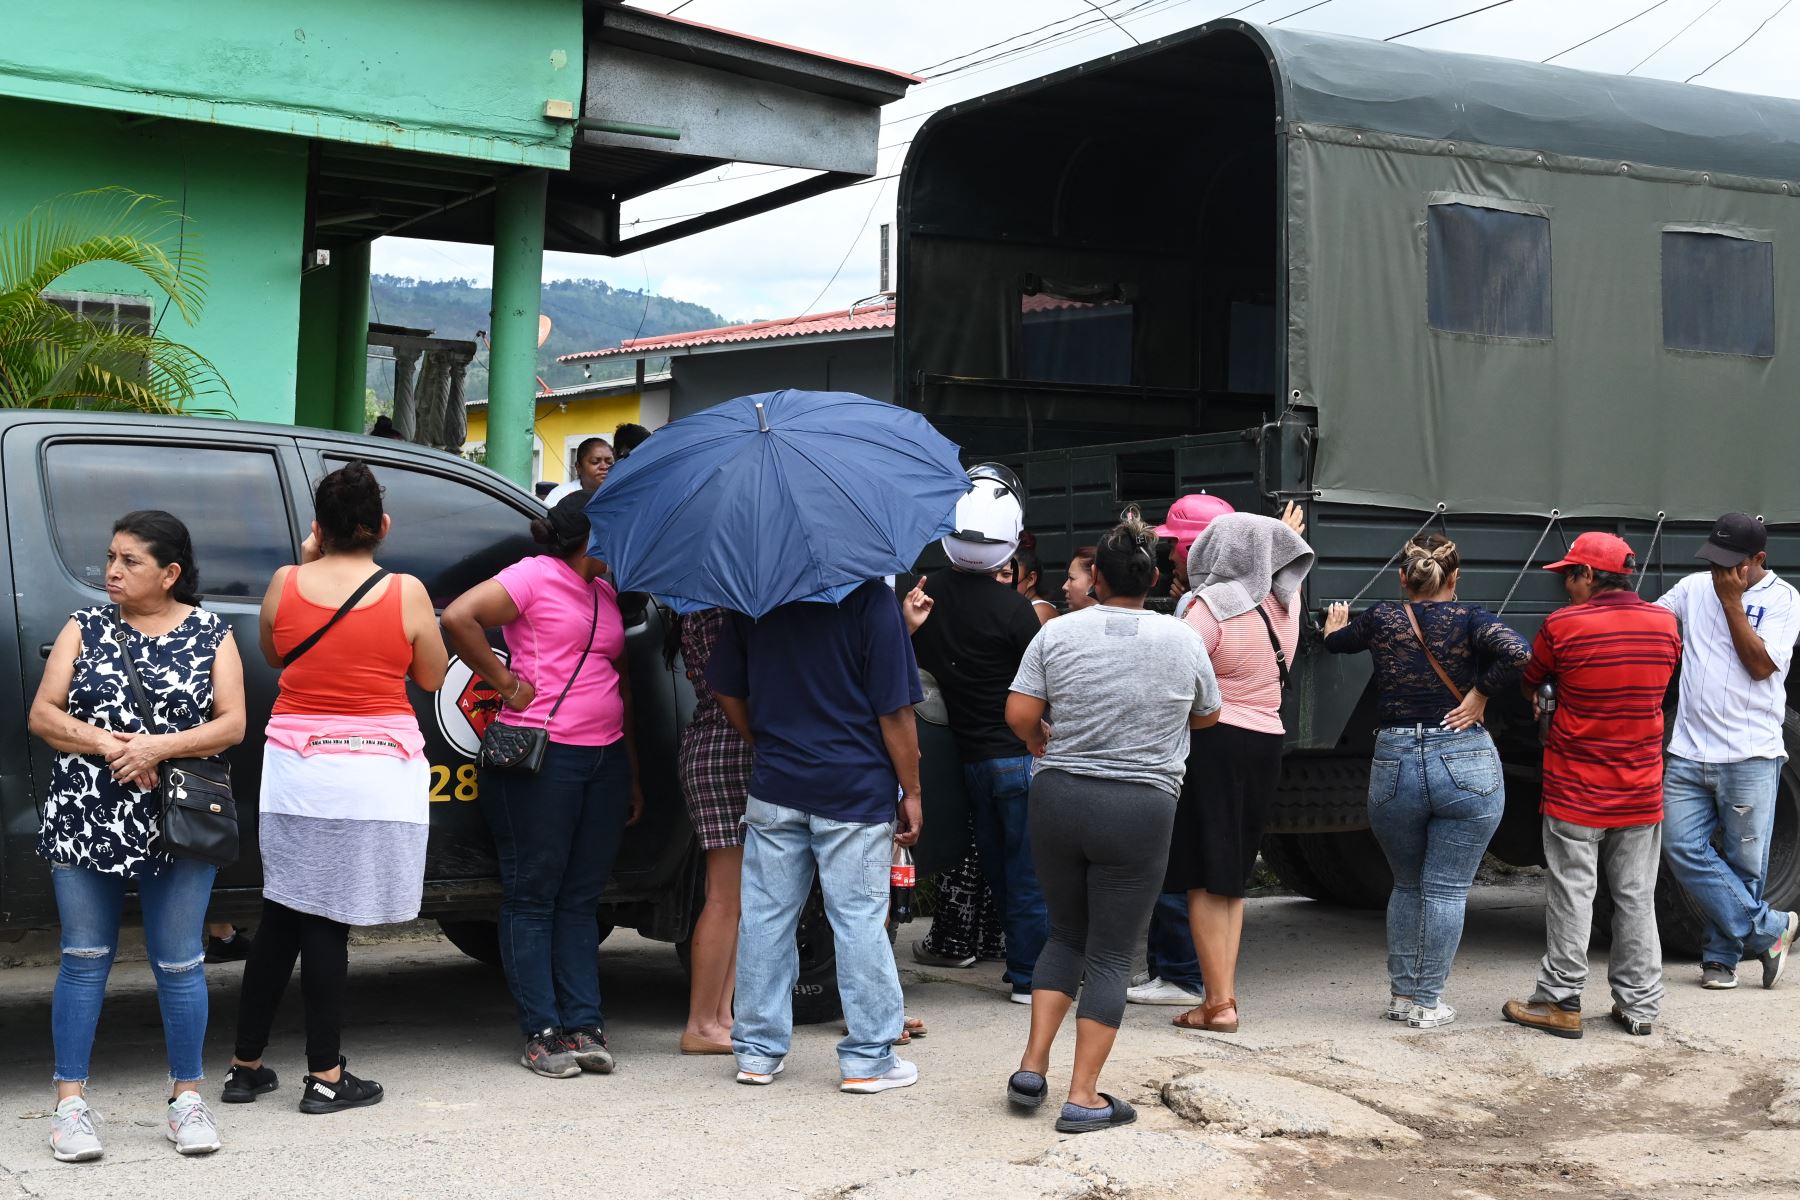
(73, 1133)
(191, 1125)
(1774, 959)
(1717, 977)
(547, 1055)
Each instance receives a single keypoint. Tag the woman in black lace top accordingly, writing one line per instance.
(1435, 785)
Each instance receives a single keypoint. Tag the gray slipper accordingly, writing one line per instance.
(1121, 1114)
(1022, 1095)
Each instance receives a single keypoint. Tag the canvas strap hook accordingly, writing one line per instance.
(1644, 563)
(1555, 516)
(1437, 514)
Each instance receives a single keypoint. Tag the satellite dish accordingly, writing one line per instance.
(543, 329)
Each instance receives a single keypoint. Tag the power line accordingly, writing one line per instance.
(1622, 24)
(1677, 34)
(992, 45)
(1115, 23)
(1447, 20)
(1299, 11)
(847, 253)
(1070, 34)
(1715, 62)
(678, 8)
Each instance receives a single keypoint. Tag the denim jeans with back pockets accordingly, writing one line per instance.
(1435, 799)
(88, 903)
(1736, 801)
(1000, 798)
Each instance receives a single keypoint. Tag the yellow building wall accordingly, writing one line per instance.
(558, 421)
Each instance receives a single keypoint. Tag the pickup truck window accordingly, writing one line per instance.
(450, 534)
(230, 500)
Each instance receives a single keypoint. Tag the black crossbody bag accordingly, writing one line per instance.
(518, 748)
(199, 815)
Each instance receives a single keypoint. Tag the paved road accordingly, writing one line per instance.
(1482, 1109)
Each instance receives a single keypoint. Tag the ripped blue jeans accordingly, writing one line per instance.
(174, 898)
(1736, 801)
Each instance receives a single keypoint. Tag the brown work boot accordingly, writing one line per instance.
(1542, 1015)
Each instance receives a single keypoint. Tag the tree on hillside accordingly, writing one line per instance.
(53, 358)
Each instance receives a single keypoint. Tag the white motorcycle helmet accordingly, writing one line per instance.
(989, 520)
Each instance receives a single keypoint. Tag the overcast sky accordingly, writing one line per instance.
(779, 264)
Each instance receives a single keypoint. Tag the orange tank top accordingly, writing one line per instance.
(357, 669)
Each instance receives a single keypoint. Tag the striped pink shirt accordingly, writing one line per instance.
(1245, 662)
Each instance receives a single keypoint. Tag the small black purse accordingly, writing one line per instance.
(517, 748)
(199, 814)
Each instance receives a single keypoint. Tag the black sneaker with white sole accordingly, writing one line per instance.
(1717, 977)
(548, 1055)
(1774, 959)
(319, 1096)
(588, 1045)
(244, 1084)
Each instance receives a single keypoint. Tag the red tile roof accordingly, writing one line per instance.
(844, 320)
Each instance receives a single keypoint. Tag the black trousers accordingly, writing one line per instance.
(323, 948)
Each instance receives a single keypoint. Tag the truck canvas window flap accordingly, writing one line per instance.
(1074, 332)
(1718, 293)
(1487, 271)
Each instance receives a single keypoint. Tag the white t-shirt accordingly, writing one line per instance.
(1724, 715)
(561, 490)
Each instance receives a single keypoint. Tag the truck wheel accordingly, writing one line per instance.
(1282, 854)
(1322, 793)
(480, 939)
(1350, 868)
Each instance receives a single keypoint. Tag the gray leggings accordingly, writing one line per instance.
(1100, 847)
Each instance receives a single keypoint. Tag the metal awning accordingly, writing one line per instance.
(725, 97)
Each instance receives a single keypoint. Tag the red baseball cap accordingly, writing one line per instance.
(1601, 551)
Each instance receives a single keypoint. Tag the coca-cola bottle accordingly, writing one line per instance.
(901, 878)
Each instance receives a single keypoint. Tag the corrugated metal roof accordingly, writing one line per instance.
(845, 320)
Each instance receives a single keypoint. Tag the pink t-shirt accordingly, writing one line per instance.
(1242, 658)
(556, 609)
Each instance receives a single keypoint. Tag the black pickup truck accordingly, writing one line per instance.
(245, 491)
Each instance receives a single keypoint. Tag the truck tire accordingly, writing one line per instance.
(480, 939)
(1349, 867)
(1282, 854)
(1326, 793)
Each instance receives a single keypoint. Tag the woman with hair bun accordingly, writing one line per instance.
(1435, 787)
(345, 785)
(1102, 804)
(558, 830)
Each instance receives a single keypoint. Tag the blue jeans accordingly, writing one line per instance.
(782, 847)
(1736, 801)
(999, 796)
(1171, 957)
(557, 834)
(1435, 799)
(88, 903)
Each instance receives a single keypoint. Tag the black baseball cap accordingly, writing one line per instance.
(1735, 537)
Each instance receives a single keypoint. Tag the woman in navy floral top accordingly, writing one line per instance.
(1435, 785)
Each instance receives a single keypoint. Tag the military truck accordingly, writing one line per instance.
(1404, 288)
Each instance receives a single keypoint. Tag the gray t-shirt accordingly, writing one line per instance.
(1120, 684)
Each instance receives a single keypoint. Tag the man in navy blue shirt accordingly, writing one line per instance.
(824, 693)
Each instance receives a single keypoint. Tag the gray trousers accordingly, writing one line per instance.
(1634, 968)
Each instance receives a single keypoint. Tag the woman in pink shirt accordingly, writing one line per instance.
(1246, 571)
(557, 831)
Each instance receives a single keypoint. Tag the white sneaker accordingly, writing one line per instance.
(1022, 998)
(73, 1136)
(762, 1078)
(1159, 991)
(1399, 1008)
(1430, 1018)
(901, 1074)
(191, 1125)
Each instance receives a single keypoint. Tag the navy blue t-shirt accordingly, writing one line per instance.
(818, 678)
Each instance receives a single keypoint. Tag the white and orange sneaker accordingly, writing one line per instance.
(901, 1074)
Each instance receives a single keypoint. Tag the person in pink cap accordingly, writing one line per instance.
(1188, 518)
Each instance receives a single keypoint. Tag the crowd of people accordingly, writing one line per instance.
(1120, 766)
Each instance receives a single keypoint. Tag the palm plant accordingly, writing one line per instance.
(52, 358)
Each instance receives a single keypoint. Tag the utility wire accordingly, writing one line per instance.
(847, 253)
(1678, 33)
(1622, 24)
(1447, 20)
(1114, 21)
(1068, 34)
(1298, 11)
(926, 70)
(1715, 62)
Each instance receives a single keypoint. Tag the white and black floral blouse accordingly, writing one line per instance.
(90, 820)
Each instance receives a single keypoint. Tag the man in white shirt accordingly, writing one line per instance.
(1739, 622)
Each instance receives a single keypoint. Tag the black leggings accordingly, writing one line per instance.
(323, 948)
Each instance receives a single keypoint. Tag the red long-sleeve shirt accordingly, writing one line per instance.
(1611, 659)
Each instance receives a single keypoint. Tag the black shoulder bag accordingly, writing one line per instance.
(199, 815)
(519, 749)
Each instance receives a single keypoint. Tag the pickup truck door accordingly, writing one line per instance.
(66, 485)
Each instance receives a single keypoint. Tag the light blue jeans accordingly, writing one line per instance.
(88, 904)
(1435, 799)
(1736, 801)
(782, 849)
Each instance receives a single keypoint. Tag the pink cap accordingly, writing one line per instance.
(1188, 518)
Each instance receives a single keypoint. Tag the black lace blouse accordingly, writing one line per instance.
(1475, 648)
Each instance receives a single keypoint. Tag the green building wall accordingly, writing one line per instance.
(245, 195)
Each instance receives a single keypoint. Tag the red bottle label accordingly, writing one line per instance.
(902, 875)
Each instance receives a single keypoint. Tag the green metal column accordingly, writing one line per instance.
(513, 325)
(352, 382)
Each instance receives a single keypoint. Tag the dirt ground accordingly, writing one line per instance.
(1317, 1096)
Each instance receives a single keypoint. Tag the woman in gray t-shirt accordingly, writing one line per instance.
(1104, 698)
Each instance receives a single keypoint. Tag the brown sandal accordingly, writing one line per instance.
(1207, 1012)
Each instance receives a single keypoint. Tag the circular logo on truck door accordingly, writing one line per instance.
(466, 706)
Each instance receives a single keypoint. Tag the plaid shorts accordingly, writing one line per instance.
(715, 781)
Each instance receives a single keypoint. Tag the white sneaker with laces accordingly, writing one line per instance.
(901, 1074)
(73, 1133)
(761, 1078)
(1399, 1008)
(191, 1125)
(1430, 1018)
(1160, 991)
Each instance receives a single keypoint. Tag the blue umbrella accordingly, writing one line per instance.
(766, 499)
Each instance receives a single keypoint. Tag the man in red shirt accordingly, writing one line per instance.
(1610, 655)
